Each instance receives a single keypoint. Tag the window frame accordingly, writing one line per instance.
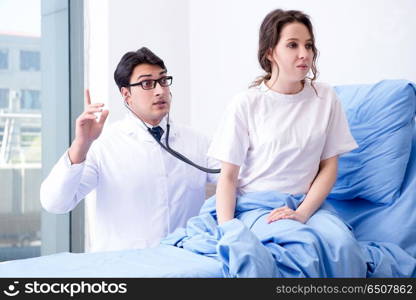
(62, 69)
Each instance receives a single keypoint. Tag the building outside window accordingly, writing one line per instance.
(4, 59)
(4, 98)
(29, 60)
(30, 99)
(20, 134)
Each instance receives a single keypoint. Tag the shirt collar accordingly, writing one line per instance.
(304, 94)
(133, 126)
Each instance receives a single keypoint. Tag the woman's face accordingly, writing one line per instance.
(293, 53)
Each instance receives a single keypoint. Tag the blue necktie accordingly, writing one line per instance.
(157, 132)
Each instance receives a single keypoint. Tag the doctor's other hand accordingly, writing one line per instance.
(87, 129)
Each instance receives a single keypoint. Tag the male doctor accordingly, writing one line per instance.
(143, 192)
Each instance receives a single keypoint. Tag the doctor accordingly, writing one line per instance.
(142, 192)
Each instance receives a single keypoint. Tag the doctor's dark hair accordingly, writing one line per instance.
(269, 36)
(132, 59)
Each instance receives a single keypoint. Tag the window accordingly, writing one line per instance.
(4, 59)
(4, 98)
(30, 99)
(22, 136)
(20, 133)
(30, 141)
(29, 60)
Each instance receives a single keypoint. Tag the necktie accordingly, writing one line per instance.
(157, 132)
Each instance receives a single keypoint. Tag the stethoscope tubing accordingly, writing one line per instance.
(170, 150)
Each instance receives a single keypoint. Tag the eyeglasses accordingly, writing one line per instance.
(150, 84)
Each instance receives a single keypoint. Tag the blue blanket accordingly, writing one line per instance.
(162, 261)
(248, 246)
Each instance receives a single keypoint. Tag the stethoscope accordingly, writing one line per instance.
(168, 148)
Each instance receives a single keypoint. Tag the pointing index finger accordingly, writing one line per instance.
(87, 98)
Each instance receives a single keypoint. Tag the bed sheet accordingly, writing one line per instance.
(162, 261)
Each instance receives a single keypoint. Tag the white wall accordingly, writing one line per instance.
(210, 47)
(116, 27)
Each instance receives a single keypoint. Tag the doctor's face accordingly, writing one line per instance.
(150, 104)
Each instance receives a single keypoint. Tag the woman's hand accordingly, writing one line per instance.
(285, 213)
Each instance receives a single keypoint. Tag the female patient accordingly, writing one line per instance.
(285, 133)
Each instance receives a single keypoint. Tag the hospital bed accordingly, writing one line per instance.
(375, 195)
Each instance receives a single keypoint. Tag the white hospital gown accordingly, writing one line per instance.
(278, 140)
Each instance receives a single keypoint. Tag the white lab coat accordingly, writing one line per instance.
(142, 192)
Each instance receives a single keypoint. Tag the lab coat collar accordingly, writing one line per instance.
(133, 126)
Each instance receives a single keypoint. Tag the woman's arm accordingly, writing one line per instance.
(226, 192)
(320, 188)
(316, 195)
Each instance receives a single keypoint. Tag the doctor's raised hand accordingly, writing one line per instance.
(87, 129)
